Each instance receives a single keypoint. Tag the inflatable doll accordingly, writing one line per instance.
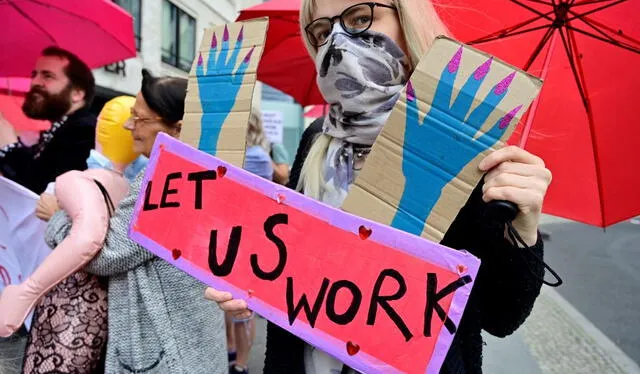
(69, 327)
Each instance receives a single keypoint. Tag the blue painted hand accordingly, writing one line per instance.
(218, 87)
(436, 150)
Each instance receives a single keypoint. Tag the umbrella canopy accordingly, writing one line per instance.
(583, 124)
(11, 109)
(285, 63)
(97, 31)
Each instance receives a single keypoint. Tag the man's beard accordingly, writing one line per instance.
(40, 104)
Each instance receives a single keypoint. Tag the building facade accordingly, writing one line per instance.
(167, 35)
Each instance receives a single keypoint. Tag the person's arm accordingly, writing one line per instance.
(509, 279)
(280, 163)
(70, 153)
(119, 254)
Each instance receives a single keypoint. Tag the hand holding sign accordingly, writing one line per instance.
(390, 293)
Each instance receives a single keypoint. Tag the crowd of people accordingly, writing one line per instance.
(148, 316)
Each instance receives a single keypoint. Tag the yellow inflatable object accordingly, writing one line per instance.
(115, 141)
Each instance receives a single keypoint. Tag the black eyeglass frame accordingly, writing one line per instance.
(339, 17)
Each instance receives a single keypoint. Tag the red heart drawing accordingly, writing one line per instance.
(281, 198)
(461, 269)
(176, 253)
(222, 170)
(352, 348)
(250, 292)
(364, 232)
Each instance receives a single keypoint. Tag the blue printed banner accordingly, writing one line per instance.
(459, 104)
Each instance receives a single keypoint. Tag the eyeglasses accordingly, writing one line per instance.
(140, 120)
(355, 20)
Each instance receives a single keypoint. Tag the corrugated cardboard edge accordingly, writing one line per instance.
(232, 141)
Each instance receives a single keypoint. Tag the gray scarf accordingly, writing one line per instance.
(361, 78)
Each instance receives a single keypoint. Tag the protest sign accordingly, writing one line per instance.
(220, 89)
(460, 105)
(273, 124)
(377, 298)
(22, 245)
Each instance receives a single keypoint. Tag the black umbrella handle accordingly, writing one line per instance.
(506, 211)
(502, 210)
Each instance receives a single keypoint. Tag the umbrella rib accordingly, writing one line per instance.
(78, 17)
(594, 139)
(592, 2)
(27, 17)
(532, 9)
(508, 34)
(598, 9)
(612, 31)
(615, 43)
(570, 56)
(505, 32)
(599, 31)
(538, 49)
(541, 2)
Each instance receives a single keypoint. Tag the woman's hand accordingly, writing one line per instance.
(236, 307)
(520, 177)
(46, 206)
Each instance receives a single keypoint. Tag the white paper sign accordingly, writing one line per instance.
(22, 245)
(273, 124)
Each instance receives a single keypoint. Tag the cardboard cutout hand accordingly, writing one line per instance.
(218, 87)
(435, 151)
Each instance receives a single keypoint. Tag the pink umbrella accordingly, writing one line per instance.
(11, 109)
(97, 31)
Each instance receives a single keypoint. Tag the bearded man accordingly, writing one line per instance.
(62, 88)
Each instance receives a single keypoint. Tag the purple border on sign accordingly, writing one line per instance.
(410, 244)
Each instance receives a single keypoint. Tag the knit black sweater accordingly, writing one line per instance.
(502, 298)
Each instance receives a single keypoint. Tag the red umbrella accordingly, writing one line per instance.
(12, 92)
(11, 109)
(98, 31)
(285, 63)
(584, 124)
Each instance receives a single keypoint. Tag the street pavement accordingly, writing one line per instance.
(591, 324)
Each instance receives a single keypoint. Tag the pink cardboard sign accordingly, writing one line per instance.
(376, 298)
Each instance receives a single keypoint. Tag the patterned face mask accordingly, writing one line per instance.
(361, 78)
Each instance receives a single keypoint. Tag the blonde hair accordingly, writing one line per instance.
(420, 26)
(255, 131)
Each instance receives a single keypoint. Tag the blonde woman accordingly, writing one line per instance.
(257, 159)
(377, 45)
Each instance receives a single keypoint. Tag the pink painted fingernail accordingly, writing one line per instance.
(200, 60)
(454, 64)
(411, 93)
(482, 70)
(225, 35)
(241, 34)
(506, 120)
(214, 41)
(246, 59)
(504, 84)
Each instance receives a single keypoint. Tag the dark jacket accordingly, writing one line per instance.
(502, 297)
(68, 150)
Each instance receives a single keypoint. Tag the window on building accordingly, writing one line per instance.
(178, 36)
(134, 7)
